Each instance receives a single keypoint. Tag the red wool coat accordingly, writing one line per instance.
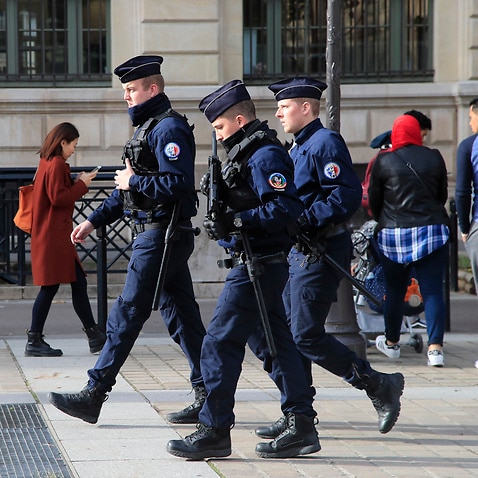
(53, 255)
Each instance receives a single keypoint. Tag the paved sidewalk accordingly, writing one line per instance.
(436, 435)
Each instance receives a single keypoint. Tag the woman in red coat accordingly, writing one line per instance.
(53, 255)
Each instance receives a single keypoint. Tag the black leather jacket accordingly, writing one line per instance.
(398, 199)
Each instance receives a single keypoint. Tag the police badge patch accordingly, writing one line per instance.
(277, 181)
(332, 170)
(172, 150)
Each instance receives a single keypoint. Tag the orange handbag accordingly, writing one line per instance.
(24, 217)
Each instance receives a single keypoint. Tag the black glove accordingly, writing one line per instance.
(204, 184)
(221, 227)
(304, 225)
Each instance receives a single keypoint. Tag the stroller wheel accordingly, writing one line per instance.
(416, 341)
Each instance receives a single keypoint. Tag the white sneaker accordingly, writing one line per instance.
(435, 358)
(392, 351)
(418, 322)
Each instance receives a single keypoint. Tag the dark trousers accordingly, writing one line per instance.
(79, 295)
(308, 296)
(236, 321)
(178, 307)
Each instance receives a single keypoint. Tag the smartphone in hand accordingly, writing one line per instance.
(95, 170)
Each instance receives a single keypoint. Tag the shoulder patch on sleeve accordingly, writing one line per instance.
(277, 181)
(172, 150)
(332, 170)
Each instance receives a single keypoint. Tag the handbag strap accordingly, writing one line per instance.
(33, 180)
(407, 163)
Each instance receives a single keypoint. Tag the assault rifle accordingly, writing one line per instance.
(318, 250)
(214, 203)
(254, 269)
(215, 206)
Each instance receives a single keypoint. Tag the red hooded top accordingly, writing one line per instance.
(406, 130)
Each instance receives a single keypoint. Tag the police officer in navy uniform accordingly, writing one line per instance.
(331, 192)
(158, 174)
(260, 201)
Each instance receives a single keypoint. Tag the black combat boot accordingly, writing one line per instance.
(205, 442)
(37, 347)
(299, 438)
(85, 405)
(385, 391)
(96, 338)
(272, 431)
(190, 414)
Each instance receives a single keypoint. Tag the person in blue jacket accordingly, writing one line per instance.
(331, 192)
(259, 203)
(466, 187)
(158, 175)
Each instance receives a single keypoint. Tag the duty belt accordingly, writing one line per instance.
(139, 227)
(239, 259)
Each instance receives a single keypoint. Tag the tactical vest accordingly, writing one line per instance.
(239, 194)
(144, 163)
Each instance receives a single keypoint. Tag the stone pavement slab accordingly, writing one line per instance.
(436, 435)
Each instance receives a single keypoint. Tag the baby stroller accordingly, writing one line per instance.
(368, 271)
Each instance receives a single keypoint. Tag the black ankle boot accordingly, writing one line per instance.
(96, 338)
(37, 347)
(190, 414)
(385, 391)
(85, 405)
(272, 431)
(299, 438)
(205, 442)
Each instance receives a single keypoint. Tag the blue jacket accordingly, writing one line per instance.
(270, 174)
(324, 175)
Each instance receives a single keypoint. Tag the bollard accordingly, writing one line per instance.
(342, 321)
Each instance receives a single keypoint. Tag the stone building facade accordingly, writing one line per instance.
(201, 42)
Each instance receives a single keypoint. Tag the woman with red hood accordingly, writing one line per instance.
(407, 194)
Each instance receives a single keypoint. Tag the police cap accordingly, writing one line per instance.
(139, 67)
(215, 104)
(297, 87)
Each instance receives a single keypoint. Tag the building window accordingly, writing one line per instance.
(54, 42)
(382, 40)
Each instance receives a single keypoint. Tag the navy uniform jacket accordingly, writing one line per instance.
(324, 175)
(172, 143)
(271, 177)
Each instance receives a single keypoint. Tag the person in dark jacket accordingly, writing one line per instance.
(407, 194)
(260, 201)
(383, 143)
(466, 188)
(330, 191)
(158, 178)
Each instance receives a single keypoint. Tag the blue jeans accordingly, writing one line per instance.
(430, 273)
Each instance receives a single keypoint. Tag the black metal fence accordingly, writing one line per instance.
(15, 244)
(108, 253)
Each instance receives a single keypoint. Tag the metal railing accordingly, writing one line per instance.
(109, 252)
(15, 244)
